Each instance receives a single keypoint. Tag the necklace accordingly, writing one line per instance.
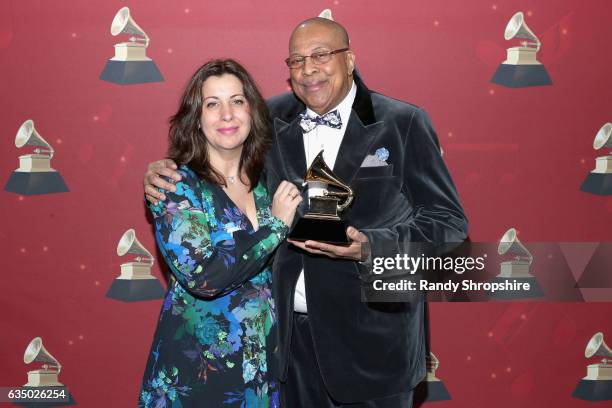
(230, 179)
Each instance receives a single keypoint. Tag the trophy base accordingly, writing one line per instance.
(131, 72)
(322, 230)
(35, 183)
(593, 390)
(428, 391)
(136, 290)
(535, 291)
(61, 401)
(521, 76)
(597, 183)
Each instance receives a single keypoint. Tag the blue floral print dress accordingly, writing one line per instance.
(215, 325)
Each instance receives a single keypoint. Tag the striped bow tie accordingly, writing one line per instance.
(330, 119)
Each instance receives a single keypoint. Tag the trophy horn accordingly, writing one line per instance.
(435, 363)
(123, 23)
(327, 14)
(510, 244)
(518, 28)
(27, 135)
(603, 137)
(320, 171)
(37, 352)
(130, 244)
(597, 347)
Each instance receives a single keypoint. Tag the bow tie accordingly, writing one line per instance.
(330, 119)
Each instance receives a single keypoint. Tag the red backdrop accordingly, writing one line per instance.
(518, 157)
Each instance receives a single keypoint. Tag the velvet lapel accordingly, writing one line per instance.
(290, 144)
(356, 144)
(291, 147)
(360, 134)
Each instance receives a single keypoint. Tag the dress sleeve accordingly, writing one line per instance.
(204, 257)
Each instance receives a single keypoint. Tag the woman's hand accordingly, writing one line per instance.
(285, 201)
(152, 181)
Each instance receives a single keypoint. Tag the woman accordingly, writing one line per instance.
(217, 232)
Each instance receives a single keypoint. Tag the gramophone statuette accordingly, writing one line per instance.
(322, 222)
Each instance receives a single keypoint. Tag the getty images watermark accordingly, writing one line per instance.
(484, 271)
(420, 265)
(464, 272)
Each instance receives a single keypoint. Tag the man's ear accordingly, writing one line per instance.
(350, 61)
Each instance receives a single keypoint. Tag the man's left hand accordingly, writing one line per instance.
(352, 251)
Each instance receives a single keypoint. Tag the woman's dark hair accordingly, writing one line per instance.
(188, 143)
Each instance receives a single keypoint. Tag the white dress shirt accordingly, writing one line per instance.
(326, 139)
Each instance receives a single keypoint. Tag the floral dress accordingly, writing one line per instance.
(215, 325)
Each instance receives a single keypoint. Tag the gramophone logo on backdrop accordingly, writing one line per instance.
(45, 381)
(597, 385)
(515, 269)
(135, 282)
(34, 175)
(521, 67)
(599, 180)
(130, 65)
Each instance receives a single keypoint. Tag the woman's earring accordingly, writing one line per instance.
(199, 125)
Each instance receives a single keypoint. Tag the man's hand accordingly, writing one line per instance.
(153, 181)
(353, 251)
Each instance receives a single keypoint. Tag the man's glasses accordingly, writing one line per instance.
(317, 58)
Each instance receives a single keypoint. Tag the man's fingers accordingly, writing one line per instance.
(355, 235)
(302, 245)
(318, 245)
(151, 199)
(317, 252)
(171, 164)
(167, 172)
(327, 249)
(151, 191)
(352, 251)
(158, 182)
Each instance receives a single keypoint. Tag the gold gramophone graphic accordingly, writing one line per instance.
(597, 385)
(599, 180)
(521, 67)
(322, 221)
(34, 175)
(135, 282)
(130, 65)
(47, 375)
(517, 268)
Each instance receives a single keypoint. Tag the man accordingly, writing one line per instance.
(336, 350)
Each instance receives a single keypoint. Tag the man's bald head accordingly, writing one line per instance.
(321, 82)
(331, 25)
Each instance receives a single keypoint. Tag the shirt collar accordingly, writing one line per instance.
(344, 107)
